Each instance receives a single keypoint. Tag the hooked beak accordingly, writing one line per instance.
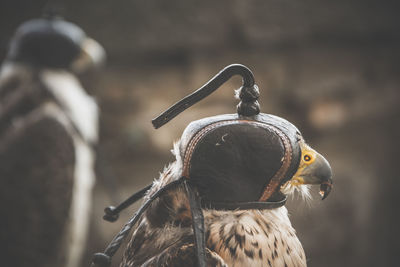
(92, 56)
(318, 172)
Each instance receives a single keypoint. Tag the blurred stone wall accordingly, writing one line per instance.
(330, 67)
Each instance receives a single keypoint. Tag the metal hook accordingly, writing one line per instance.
(204, 91)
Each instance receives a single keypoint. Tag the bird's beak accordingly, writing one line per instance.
(92, 56)
(317, 172)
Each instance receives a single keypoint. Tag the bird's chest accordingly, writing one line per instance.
(251, 239)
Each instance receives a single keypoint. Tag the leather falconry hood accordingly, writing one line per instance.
(236, 159)
(49, 42)
(230, 161)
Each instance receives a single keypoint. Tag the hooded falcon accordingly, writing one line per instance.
(221, 203)
(48, 127)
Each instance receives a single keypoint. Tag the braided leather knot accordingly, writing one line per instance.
(248, 105)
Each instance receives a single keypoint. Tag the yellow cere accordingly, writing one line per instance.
(308, 156)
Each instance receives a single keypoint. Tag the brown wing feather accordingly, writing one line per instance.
(183, 256)
(148, 242)
(36, 179)
(166, 239)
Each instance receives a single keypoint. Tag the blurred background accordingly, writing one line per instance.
(330, 67)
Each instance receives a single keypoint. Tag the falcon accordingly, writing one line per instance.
(221, 203)
(48, 129)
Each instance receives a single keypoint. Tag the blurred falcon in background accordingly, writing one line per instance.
(48, 127)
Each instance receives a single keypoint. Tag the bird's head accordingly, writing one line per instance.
(54, 43)
(232, 159)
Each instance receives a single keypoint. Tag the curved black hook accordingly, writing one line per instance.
(204, 91)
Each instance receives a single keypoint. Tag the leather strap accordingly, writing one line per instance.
(243, 205)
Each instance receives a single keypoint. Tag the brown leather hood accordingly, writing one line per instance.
(231, 158)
